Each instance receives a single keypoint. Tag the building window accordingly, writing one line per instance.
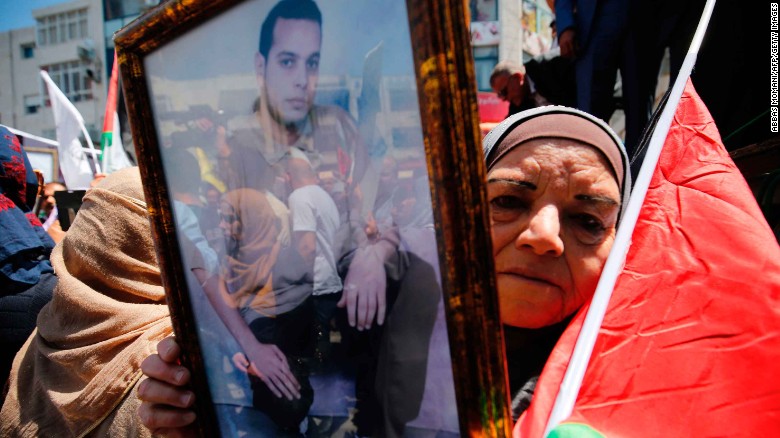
(49, 133)
(62, 27)
(72, 79)
(537, 33)
(32, 103)
(485, 58)
(483, 10)
(485, 14)
(28, 50)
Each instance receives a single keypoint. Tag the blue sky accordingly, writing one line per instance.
(18, 13)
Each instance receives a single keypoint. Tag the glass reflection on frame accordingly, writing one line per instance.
(294, 157)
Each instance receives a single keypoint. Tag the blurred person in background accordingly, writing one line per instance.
(26, 275)
(511, 83)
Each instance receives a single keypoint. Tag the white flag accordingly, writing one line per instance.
(69, 123)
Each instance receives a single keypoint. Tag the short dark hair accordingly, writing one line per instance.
(290, 10)
(506, 68)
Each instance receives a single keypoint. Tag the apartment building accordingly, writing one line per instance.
(72, 42)
(67, 42)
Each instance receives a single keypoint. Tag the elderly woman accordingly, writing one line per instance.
(557, 183)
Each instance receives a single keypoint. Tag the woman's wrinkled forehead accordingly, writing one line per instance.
(554, 156)
(559, 126)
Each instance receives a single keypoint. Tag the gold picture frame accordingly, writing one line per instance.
(383, 118)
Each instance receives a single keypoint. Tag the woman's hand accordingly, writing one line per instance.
(165, 404)
(567, 41)
(55, 232)
(270, 365)
(96, 179)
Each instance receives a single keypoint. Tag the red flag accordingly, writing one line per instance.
(113, 157)
(690, 343)
(108, 115)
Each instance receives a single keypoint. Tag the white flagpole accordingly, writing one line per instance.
(572, 380)
(92, 149)
(45, 141)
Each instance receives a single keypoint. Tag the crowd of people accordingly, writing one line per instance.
(311, 274)
(595, 41)
(550, 245)
(314, 268)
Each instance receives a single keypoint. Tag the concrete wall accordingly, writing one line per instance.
(510, 13)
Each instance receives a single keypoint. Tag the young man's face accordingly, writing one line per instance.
(291, 70)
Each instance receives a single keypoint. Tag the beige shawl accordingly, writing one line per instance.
(248, 265)
(107, 314)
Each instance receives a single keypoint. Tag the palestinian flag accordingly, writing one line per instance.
(690, 342)
(113, 153)
(682, 337)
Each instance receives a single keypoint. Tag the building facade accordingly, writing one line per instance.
(72, 41)
(66, 42)
(508, 30)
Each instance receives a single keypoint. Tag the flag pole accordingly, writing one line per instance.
(575, 371)
(108, 114)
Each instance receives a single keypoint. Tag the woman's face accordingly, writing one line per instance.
(554, 206)
(230, 224)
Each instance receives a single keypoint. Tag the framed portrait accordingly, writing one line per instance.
(315, 184)
(46, 160)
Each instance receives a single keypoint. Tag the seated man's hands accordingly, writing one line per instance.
(364, 290)
(165, 403)
(270, 365)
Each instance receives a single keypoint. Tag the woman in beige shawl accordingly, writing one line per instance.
(262, 308)
(252, 250)
(76, 374)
